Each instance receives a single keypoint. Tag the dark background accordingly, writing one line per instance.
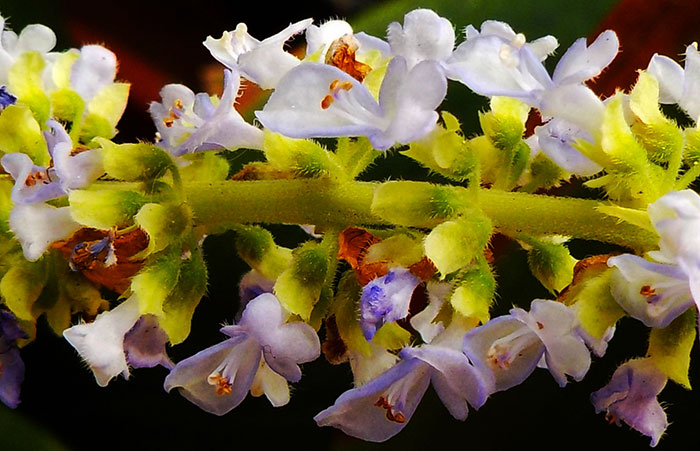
(157, 43)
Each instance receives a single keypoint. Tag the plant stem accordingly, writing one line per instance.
(222, 205)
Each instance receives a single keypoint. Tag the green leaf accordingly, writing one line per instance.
(180, 304)
(299, 287)
(257, 247)
(455, 244)
(26, 82)
(164, 224)
(474, 293)
(354, 155)
(134, 162)
(103, 208)
(20, 132)
(21, 287)
(550, 262)
(670, 347)
(156, 280)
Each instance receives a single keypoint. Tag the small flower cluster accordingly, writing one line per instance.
(400, 274)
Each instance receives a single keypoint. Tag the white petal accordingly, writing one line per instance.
(690, 101)
(35, 37)
(411, 104)
(575, 104)
(556, 140)
(321, 37)
(295, 108)
(95, 68)
(424, 36)
(101, 343)
(670, 76)
(36, 226)
(271, 384)
(581, 62)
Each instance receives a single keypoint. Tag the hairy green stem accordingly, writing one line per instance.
(222, 205)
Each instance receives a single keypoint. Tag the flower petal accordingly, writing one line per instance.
(581, 62)
(234, 361)
(386, 299)
(101, 342)
(36, 226)
(653, 293)
(424, 36)
(670, 76)
(478, 344)
(630, 396)
(365, 412)
(144, 344)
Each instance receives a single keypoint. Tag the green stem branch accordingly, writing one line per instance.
(222, 205)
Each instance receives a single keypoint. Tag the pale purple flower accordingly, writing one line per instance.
(381, 408)
(507, 349)
(630, 396)
(498, 62)
(190, 123)
(680, 85)
(556, 138)
(262, 62)
(11, 364)
(218, 378)
(317, 100)
(117, 339)
(656, 292)
(386, 299)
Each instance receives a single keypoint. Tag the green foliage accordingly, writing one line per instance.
(256, 246)
(134, 162)
(550, 262)
(156, 281)
(669, 348)
(453, 245)
(299, 287)
(102, 207)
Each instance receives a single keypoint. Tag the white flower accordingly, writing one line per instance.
(262, 62)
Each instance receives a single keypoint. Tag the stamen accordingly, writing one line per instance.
(327, 101)
(341, 54)
(178, 104)
(610, 418)
(504, 350)
(647, 291)
(519, 40)
(391, 415)
(221, 384)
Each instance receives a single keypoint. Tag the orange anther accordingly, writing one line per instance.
(326, 102)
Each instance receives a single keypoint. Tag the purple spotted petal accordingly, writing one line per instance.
(381, 408)
(33, 184)
(653, 293)
(454, 379)
(555, 324)
(386, 299)
(505, 350)
(218, 378)
(630, 396)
